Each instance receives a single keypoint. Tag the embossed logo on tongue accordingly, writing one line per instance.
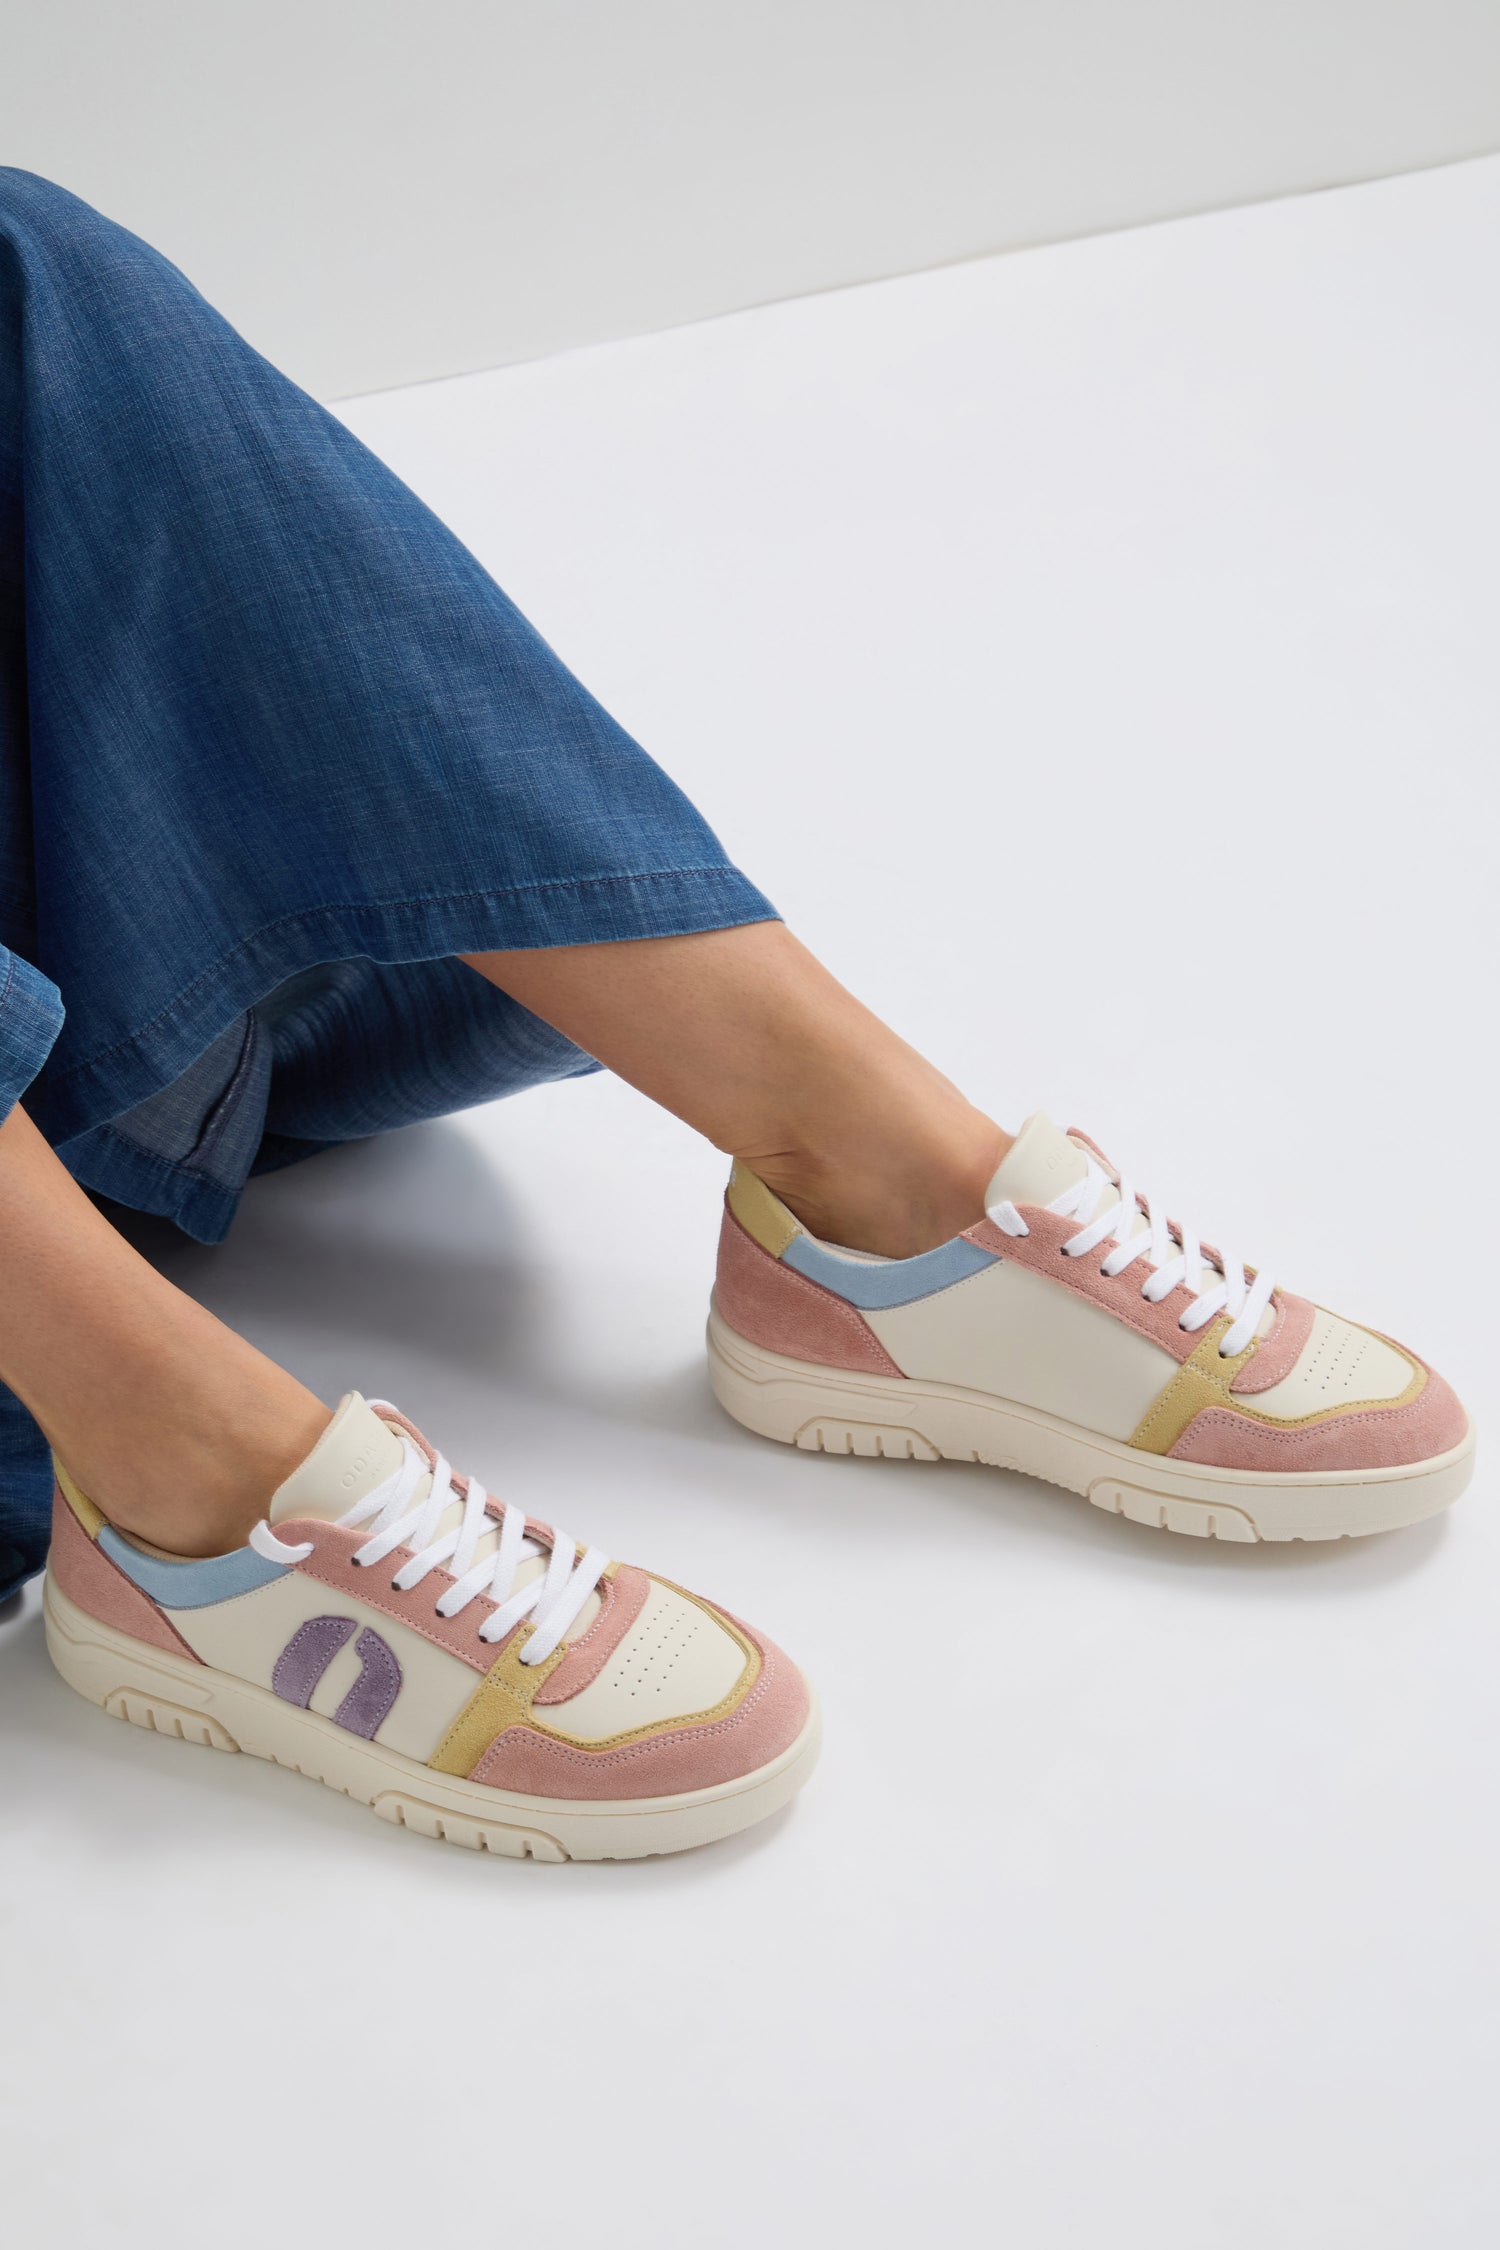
(356, 1452)
(1039, 1164)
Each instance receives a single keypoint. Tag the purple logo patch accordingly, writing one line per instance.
(310, 1651)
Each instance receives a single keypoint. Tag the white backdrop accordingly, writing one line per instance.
(1094, 654)
(418, 187)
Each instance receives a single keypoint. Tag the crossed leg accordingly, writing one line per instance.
(181, 1430)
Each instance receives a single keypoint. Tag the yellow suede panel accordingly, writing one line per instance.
(505, 1695)
(759, 1212)
(502, 1699)
(83, 1508)
(1205, 1379)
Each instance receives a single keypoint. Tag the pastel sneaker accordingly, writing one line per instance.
(1077, 1335)
(395, 1632)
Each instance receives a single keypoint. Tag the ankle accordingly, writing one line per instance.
(893, 1201)
(195, 1484)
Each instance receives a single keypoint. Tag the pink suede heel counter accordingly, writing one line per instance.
(771, 1305)
(90, 1580)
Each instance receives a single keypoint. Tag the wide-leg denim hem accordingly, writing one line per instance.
(672, 902)
(669, 903)
(31, 1016)
(274, 748)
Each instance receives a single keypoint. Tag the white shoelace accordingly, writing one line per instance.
(552, 1600)
(1174, 1258)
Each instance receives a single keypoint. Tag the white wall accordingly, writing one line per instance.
(397, 189)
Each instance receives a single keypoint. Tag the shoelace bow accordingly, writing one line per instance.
(1176, 1258)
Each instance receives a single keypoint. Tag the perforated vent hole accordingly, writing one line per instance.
(1338, 1358)
(660, 1650)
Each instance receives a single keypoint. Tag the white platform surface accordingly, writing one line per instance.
(1093, 652)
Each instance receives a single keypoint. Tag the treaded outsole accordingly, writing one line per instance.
(881, 1417)
(168, 1695)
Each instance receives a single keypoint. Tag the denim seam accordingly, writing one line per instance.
(169, 1170)
(380, 906)
(220, 1117)
(206, 1200)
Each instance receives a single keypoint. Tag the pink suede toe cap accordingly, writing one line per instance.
(1371, 1437)
(702, 1756)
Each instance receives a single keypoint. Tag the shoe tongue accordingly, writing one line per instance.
(359, 1450)
(1039, 1164)
(1042, 1163)
(356, 1452)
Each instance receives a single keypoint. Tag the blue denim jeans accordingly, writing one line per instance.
(273, 749)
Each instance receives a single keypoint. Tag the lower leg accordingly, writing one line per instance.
(176, 1427)
(746, 1036)
(181, 1431)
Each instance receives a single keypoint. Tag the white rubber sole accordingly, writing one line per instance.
(169, 1695)
(833, 1410)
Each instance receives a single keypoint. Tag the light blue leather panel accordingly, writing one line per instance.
(893, 1281)
(190, 1585)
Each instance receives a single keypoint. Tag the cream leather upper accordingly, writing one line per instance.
(1020, 1336)
(675, 1660)
(1338, 1365)
(247, 1634)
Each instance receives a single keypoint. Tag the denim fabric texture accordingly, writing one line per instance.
(273, 749)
